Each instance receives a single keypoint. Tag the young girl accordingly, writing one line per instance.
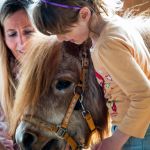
(121, 60)
(15, 29)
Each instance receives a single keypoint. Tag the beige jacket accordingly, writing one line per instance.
(122, 59)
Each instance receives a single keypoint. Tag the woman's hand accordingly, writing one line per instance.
(115, 142)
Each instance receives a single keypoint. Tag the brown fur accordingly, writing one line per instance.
(44, 65)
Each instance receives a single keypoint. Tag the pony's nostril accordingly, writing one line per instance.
(28, 140)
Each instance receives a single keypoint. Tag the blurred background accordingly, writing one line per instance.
(137, 6)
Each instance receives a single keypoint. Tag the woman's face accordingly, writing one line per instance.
(17, 30)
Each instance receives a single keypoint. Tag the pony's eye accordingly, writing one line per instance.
(62, 84)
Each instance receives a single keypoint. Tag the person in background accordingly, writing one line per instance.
(121, 60)
(15, 30)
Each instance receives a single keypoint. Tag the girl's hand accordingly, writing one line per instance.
(115, 142)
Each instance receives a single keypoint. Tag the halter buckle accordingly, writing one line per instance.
(85, 112)
(61, 132)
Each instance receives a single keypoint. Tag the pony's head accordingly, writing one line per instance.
(58, 100)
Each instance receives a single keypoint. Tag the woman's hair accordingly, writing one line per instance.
(55, 16)
(7, 82)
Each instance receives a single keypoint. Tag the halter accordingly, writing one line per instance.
(61, 130)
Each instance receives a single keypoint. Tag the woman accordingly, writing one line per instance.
(15, 30)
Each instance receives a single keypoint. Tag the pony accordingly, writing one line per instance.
(59, 101)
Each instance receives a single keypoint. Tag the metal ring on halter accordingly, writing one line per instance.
(61, 132)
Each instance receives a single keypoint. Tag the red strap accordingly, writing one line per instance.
(100, 78)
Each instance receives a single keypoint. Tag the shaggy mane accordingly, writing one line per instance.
(42, 52)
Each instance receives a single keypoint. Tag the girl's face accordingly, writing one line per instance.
(77, 34)
(17, 30)
(80, 30)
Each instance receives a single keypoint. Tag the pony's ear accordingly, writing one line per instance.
(74, 49)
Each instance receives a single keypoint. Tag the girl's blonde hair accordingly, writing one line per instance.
(50, 19)
(7, 81)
